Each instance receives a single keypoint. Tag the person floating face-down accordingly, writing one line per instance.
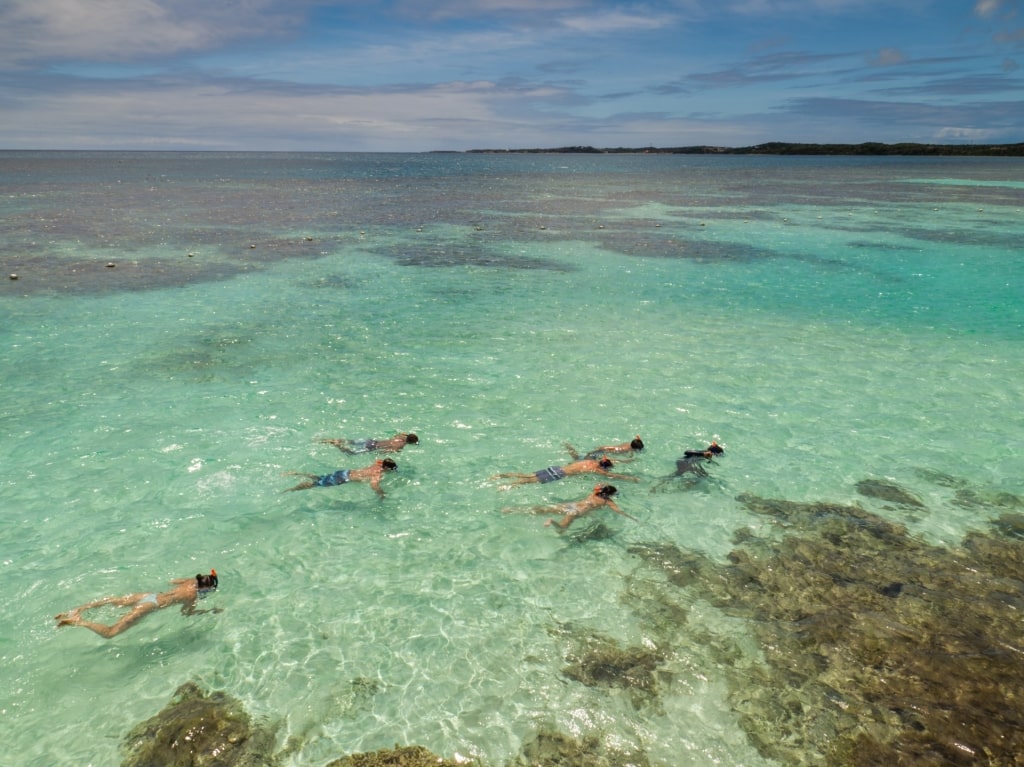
(554, 473)
(186, 592)
(601, 496)
(693, 461)
(634, 446)
(371, 474)
(389, 445)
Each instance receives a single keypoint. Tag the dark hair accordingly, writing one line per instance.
(207, 581)
(605, 462)
(389, 464)
(607, 491)
(411, 439)
(637, 443)
(715, 448)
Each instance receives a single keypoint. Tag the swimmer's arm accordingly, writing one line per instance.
(573, 453)
(375, 484)
(611, 505)
(619, 476)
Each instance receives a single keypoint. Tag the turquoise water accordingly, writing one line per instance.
(825, 319)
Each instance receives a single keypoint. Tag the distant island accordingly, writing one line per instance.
(872, 148)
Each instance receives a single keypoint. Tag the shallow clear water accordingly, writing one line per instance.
(825, 319)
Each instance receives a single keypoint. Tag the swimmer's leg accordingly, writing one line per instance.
(128, 600)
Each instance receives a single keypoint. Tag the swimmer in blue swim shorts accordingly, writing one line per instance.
(555, 473)
(186, 592)
(389, 445)
(371, 474)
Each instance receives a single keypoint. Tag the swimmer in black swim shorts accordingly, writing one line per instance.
(626, 448)
(389, 445)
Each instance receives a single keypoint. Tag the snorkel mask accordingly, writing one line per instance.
(206, 583)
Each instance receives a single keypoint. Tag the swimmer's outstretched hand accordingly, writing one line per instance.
(70, 618)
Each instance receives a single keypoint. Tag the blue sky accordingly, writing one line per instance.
(416, 75)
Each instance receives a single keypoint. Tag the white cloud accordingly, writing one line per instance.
(612, 22)
(986, 8)
(965, 134)
(123, 30)
(887, 57)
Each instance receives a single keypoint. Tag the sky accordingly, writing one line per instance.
(425, 75)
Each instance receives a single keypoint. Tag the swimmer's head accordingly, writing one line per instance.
(207, 583)
(388, 464)
(715, 448)
(411, 439)
(605, 462)
(606, 491)
(637, 443)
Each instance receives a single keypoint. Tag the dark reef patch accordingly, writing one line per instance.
(878, 648)
(399, 756)
(200, 730)
(888, 491)
(550, 748)
(599, 661)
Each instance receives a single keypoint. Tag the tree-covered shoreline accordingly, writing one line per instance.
(869, 148)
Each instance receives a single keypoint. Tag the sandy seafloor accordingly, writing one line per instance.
(825, 319)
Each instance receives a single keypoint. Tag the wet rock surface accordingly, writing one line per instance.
(878, 649)
(199, 730)
(399, 756)
(550, 748)
(599, 661)
(888, 491)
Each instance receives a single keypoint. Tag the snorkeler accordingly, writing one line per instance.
(389, 445)
(693, 461)
(555, 473)
(633, 446)
(601, 496)
(186, 592)
(371, 474)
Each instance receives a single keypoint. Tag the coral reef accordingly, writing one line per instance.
(550, 748)
(399, 756)
(888, 491)
(199, 730)
(599, 661)
(878, 649)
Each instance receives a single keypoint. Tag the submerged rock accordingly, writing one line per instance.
(599, 661)
(878, 649)
(550, 748)
(199, 730)
(399, 756)
(888, 491)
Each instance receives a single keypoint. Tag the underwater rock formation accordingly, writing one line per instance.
(878, 649)
(599, 661)
(199, 730)
(555, 749)
(399, 756)
(888, 491)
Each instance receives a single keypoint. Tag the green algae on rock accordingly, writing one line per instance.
(200, 730)
(877, 648)
(888, 491)
(596, 660)
(550, 748)
(399, 756)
